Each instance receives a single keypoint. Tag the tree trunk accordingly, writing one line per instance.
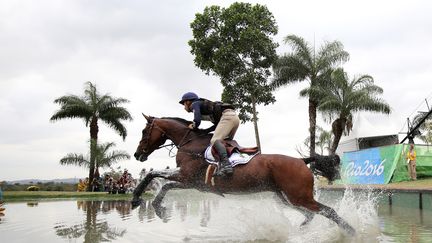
(312, 125)
(337, 128)
(94, 129)
(255, 121)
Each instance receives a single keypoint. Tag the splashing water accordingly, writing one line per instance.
(264, 218)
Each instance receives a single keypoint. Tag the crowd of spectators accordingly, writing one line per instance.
(125, 184)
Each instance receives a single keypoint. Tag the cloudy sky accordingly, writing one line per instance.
(138, 50)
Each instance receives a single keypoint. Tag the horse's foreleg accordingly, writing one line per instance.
(159, 197)
(166, 174)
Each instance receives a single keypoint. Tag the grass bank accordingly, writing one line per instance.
(41, 195)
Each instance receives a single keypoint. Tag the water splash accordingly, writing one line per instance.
(263, 218)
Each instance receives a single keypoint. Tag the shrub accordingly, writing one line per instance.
(33, 188)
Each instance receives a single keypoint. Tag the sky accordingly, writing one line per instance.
(138, 50)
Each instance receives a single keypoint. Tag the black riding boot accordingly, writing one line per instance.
(225, 168)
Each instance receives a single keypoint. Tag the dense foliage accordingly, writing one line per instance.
(235, 43)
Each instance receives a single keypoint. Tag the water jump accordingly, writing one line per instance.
(290, 178)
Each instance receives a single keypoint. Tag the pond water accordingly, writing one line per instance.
(204, 217)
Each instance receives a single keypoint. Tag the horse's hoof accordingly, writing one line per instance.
(305, 223)
(136, 202)
(350, 230)
(162, 213)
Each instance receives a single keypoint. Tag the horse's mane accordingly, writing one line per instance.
(181, 120)
(186, 123)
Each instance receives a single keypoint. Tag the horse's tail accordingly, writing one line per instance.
(327, 166)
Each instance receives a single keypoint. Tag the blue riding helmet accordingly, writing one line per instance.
(188, 96)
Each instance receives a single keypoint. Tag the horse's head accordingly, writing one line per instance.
(152, 138)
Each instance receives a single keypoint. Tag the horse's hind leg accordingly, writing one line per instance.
(308, 214)
(330, 213)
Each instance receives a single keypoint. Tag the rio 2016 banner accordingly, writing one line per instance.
(370, 166)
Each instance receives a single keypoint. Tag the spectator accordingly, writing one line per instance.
(411, 159)
(86, 182)
(97, 182)
(81, 187)
(107, 183)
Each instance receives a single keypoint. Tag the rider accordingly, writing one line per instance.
(225, 123)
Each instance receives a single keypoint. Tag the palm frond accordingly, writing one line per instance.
(75, 159)
(300, 49)
(113, 157)
(115, 113)
(288, 69)
(118, 127)
(330, 55)
(72, 106)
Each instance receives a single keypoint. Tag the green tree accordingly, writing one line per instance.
(304, 64)
(342, 97)
(235, 44)
(93, 107)
(104, 157)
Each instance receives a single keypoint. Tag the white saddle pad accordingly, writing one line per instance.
(235, 159)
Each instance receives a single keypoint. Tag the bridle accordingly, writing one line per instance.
(147, 136)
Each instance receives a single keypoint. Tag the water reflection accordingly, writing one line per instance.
(180, 208)
(96, 228)
(92, 229)
(146, 212)
(199, 217)
(407, 224)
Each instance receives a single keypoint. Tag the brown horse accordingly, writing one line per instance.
(288, 177)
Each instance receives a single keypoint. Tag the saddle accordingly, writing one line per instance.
(232, 146)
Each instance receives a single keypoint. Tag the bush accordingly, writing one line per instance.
(33, 188)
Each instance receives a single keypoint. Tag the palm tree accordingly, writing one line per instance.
(304, 64)
(341, 98)
(323, 141)
(93, 107)
(104, 158)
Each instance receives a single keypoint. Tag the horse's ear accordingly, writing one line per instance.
(146, 117)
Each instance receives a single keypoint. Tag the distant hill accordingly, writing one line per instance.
(35, 181)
